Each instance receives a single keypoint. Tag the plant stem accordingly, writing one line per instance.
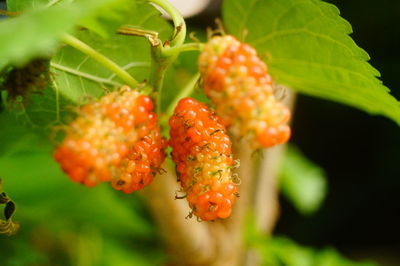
(161, 61)
(159, 66)
(185, 92)
(182, 48)
(179, 23)
(105, 61)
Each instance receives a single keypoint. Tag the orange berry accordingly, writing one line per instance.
(201, 150)
(238, 83)
(115, 139)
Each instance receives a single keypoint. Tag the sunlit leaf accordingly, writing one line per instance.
(307, 47)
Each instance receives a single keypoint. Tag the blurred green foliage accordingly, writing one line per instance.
(93, 226)
(281, 251)
(302, 182)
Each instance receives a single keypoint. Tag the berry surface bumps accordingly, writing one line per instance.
(202, 153)
(238, 83)
(116, 140)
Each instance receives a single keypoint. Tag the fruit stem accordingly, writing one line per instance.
(185, 92)
(179, 23)
(161, 61)
(182, 48)
(159, 65)
(102, 59)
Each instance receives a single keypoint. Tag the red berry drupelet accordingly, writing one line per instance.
(201, 150)
(238, 83)
(115, 140)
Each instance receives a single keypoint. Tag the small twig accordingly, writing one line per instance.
(152, 36)
(189, 240)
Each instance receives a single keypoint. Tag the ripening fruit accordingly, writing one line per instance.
(238, 83)
(201, 150)
(115, 139)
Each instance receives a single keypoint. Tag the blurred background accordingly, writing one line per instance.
(358, 152)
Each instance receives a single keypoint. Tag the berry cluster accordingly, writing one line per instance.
(202, 153)
(237, 82)
(115, 140)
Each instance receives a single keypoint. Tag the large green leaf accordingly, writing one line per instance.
(282, 251)
(302, 182)
(79, 76)
(307, 47)
(24, 5)
(109, 16)
(279, 251)
(45, 193)
(36, 32)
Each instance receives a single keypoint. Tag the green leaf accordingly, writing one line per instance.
(302, 182)
(110, 15)
(288, 253)
(18, 136)
(282, 251)
(79, 76)
(24, 5)
(116, 254)
(35, 33)
(330, 257)
(46, 194)
(307, 47)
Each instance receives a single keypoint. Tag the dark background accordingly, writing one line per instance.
(359, 152)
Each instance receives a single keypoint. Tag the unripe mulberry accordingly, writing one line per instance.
(201, 150)
(238, 83)
(115, 139)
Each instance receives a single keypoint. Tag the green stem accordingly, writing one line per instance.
(161, 61)
(105, 61)
(159, 65)
(179, 23)
(185, 92)
(182, 48)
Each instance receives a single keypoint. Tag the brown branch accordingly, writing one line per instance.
(187, 239)
(200, 243)
(265, 200)
(228, 233)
